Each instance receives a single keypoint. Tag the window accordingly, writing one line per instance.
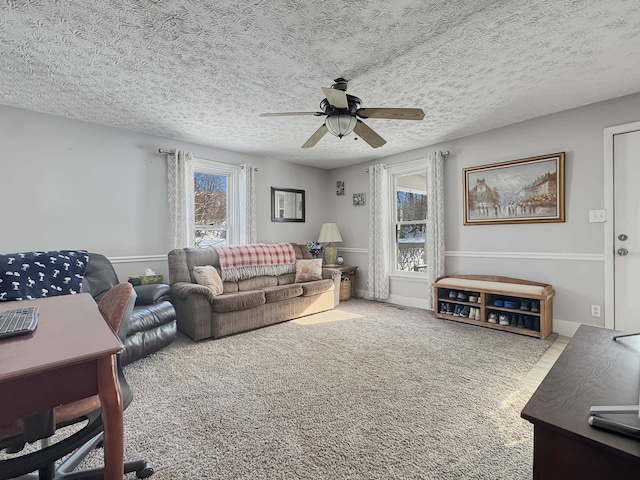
(215, 202)
(409, 218)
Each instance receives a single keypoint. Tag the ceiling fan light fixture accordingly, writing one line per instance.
(341, 125)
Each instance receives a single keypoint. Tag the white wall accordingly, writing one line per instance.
(71, 184)
(568, 255)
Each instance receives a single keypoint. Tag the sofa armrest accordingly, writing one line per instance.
(152, 293)
(184, 290)
(335, 275)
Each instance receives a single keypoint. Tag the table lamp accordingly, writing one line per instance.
(329, 233)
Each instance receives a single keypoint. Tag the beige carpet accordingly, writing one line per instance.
(372, 391)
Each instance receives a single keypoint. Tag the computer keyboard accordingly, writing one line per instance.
(18, 321)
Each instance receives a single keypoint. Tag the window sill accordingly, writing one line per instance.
(407, 276)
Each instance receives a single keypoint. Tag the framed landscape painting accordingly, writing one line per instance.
(529, 190)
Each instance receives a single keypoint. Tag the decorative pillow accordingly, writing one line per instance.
(308, 270)
(29, 275)
(208, 276)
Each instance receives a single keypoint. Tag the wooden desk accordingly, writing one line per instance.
(592, 370)
(70, 356)
(349, 270)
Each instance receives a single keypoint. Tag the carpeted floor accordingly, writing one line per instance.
(373, 391)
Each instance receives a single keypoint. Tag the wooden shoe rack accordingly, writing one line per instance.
(490, 288)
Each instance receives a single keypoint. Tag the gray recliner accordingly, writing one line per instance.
(152, 325)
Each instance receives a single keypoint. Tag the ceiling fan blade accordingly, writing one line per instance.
(392, 113)
(337, 98)
(284, 114)
(315, 138)
(368, 135)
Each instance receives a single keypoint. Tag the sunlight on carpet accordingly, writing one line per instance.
(326, 317)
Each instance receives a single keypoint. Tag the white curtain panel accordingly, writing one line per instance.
(248, 216)
(181, 207)
(434, 242)
(378, 276)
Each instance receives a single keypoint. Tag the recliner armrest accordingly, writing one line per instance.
(152, 293)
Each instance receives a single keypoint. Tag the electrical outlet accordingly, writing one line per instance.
(595, 310)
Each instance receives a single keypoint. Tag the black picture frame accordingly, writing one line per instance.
(287, 205)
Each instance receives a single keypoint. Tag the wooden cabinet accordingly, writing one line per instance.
(508, 299)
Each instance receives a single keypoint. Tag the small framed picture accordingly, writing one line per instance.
(358, 198)
(339, 187)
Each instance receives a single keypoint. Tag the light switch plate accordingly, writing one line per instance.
(597, 216)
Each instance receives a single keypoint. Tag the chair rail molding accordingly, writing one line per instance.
(139, 258)
(353, 250)
(582, 257)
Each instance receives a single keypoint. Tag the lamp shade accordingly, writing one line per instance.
(329, 233)
(341, 125)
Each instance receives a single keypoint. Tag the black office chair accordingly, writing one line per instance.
(116, 307)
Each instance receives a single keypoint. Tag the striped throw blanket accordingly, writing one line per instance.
(238, 262)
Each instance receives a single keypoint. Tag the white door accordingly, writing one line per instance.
(626, 187)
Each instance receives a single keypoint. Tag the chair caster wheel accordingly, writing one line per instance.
(146, 472)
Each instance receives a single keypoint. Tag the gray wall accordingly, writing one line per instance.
(71, 184)
(569, 255)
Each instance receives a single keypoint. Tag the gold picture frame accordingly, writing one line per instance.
(528, 190)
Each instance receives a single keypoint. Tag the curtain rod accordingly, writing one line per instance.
(172, 153)
(444, 154)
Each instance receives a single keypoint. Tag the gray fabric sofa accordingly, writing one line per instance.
(246, 304)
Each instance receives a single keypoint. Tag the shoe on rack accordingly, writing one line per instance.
(528, 322)
(450, 308)
(503, 320)
(472, 313)
(514, 304)
(536, 324)
(464, 311)
(443, 308)
(520, 321)
(498, 302)
(535, 306)
(453, 295)
(456, 312)
(513, 320)
(493, 318)
(524, 304)
(473, 298)
(477, 316)
(462, 297)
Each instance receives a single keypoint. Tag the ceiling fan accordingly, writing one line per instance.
(342, 111)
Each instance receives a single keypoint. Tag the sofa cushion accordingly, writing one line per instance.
(308, 270)
(282, 292)
(42, 274)
(208, 276)
(257, 283)
(229, 286)
(231, 302)
(317, 287)
(286, 278)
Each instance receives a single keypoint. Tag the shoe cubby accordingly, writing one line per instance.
(503, 303)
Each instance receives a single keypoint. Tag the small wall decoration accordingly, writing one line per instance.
(339, 187)
(358, 198)
(529, 190)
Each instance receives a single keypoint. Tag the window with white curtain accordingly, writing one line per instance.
(408, 214)
(215, 199)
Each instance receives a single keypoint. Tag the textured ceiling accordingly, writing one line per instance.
(202, 71)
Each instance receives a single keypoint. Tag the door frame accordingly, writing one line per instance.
(609, 231)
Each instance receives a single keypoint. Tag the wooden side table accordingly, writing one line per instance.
(351, 270)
